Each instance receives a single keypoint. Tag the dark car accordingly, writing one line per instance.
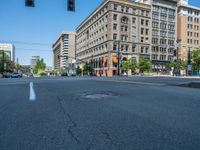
(16, 75)
(7, 75)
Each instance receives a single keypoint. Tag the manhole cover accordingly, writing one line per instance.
(98, 95)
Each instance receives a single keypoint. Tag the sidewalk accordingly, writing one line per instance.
(170, 76)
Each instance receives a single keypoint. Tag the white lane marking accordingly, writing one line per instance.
(134, 82)
(32, 92)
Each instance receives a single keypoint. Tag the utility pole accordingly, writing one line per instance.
(118, 55)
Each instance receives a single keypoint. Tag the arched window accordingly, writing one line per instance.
(124, 20)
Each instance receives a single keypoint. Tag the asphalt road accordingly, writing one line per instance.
(139, 113)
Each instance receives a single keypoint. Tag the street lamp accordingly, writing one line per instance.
(189, 67)
(119, 59)
(178, 45)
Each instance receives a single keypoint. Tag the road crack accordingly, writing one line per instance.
(73, 123)
(109, 138)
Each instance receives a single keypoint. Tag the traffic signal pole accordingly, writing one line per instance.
(118, 55)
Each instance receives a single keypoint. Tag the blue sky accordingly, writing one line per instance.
(42, 24)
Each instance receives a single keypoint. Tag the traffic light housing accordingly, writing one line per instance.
(29, 3)
(175, 52)
(71, 5)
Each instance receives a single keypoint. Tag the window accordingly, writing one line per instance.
(154, 48)
(155, 15)
(122, 8)
(142, 21)
(133, 48)
(147, 22)
(133, 20)
(155, 57)
(134, 11)
(156, 8)
(155, 32)
(163, 26)
(115, 7)
(196, 35)
(171, 27)
(190, 19)
(171, 42)
(142, 49)
(162, 57)
(142, 30)
(126, 48)
(124, 37)
(115, 17)
(155, 24)
(163, 33)
(114, 36)
(124, 20)
(127, 9)
(163, 17)
(114, 26)
(170, 58)
(133, 39)
(133, 29)
(142, 12)
(147, 31)
(171, 12)
(154, 40)
(147, 13)
(114, 47)
(142, 39)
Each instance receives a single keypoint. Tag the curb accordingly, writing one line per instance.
(190, 84)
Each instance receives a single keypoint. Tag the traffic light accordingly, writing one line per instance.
(29, 3)
(71, 5)
(175, 52)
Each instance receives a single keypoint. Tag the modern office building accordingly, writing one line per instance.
(188, 28)
(164, 33)
(33, 61)
(64, 52)
(9, 49)
(115, 26)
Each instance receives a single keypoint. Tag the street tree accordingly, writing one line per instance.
(39, 67)
(87, 69)
(129, 65)
(183, 64)
(78, 70)
(144, 65)
(196, 59)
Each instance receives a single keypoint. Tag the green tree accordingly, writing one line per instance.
(183, 64)
(87, 69)
(125, 66)
(1, 60)
(144, 65)
(39, 67)
(10, 66)
(196, 59)
(78, 70)
(129, 65)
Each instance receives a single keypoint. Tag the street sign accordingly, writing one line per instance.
(178, 45)
(189, 67)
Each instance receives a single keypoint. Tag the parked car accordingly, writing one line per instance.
(64, 74)
(7, 75)
(16, 75)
